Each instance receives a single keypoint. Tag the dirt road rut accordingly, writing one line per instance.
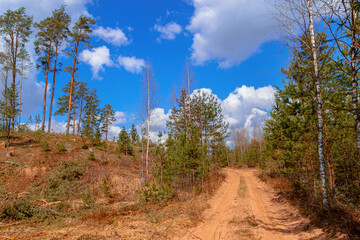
(246, 208)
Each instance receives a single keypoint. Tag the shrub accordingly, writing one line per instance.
(45, 147)
(91, 156)
(88, 200)
(155, 194)
(71, 171)
(105, 186)
(84, 146)
(61, 148)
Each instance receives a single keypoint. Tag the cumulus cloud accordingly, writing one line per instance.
(97, 58)
(168, 31)
(42, 8)
(247, 104)
(120, 118)
(113, 36)
(159, 119)
(131, 64)
(229, 31)
(113, 132)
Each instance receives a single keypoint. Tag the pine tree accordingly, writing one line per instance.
(107, 118)
(91, 120)
(61, 20)
(124, 142)
(8, 110)
(134, 136)
(80, 92)
(80, 35)
(196, 138)
(24, 68)
(15, 27)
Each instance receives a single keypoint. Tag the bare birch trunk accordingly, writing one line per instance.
(148, 128)
(325, 198)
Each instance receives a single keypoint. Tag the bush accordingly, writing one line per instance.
(61, 148)
(84, 146)
(17, 209)
(105, 186)
(88, 200)
(45, 147)
(91, 156)
(70, 171)
(155, 194)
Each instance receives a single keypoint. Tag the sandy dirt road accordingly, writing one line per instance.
(246, 208)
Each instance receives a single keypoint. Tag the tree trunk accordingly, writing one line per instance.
(74, 120)
(354, 77)
(328, 148)
(21, 82)
(53, 86)
(80, 113)
(148, 128)
(107, 129)
(72, 86)
(46, 82)
(14, 70)
(325, 198)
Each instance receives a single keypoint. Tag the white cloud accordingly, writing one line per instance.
(229, 31)
(168, 31)
(131, 64)
(158, 124)
(96, 58)
(120, 118)
(247, 104)
(159, 119)
(113, 132)
(43, 8)
(113, 36)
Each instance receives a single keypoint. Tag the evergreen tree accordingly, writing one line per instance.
(196, 138)
(134, 136)
(124, 142)
(15, 27)
(24, 68)
(61, 21)
(8, 110)
(80, 92)
(161, 161)
(44, 49)
(107, 118)
(91, 120)
(80, 35)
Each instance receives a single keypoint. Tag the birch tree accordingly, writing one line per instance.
(297, 16)
(342, 20)
(148, 104)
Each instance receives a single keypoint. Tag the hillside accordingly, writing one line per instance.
(51, 188)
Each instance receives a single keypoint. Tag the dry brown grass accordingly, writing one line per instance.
(115, 214)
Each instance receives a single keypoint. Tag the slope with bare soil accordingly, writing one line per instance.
(246, 208)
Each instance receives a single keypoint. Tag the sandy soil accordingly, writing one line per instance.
(246, 208)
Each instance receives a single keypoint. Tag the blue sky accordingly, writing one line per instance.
(230, 43)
